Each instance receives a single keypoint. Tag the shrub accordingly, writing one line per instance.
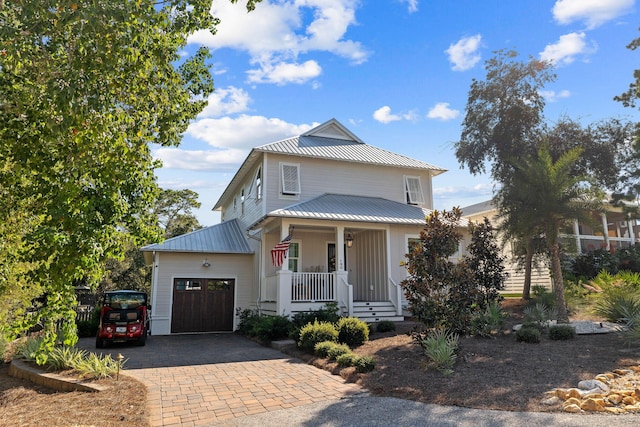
(316, 332)
(631, 334)
(329, 313)
(562, 332)
(352, 331)
(488, 321)
(542, 295)
(269, 328)
(440, 346)
(248, 322)
(337, 350)
(88, 328)
(347, 359)
(385, 326)
(63, 358)
(528, 334)
(616, 306)
(322, 348)
(538, 313)
(98, 367)
(29, 348)
(365, 364)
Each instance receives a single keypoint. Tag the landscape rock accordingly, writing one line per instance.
(573, 408)
(593, 384)
(551, 401)
(592, 405)
(614, 398)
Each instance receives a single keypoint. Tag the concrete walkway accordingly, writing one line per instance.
(196, 380)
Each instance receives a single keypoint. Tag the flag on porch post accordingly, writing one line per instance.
(279, 250)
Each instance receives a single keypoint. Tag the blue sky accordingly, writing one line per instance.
(395, 72)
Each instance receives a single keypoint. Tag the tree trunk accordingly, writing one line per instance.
(563, 315)
(528, 261)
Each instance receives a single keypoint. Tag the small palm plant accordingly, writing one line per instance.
(440, 346)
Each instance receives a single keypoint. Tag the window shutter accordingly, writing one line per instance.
(414, 190)
(290, 179)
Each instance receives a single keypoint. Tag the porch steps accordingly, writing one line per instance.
(375, 311)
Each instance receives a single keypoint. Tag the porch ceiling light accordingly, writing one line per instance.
(206, 263)
(349, 239)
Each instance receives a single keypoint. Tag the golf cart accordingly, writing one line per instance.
(123, 318)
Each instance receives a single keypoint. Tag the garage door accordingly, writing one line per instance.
(202, 305)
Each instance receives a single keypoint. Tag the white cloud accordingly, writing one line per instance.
(231, 140)
(566, 49)
(441, 111)
(284, 73)
(553, 96)
(277, 33)
(383, 115)
(226, 101)
(593, 12)
(464, 53)
(412, 5)
(243, 132)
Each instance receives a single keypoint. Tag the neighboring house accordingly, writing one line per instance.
(622, 231)
(346, 211)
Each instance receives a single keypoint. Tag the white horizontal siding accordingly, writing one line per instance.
(320, 176)
(177, 265)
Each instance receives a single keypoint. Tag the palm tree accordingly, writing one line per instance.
(542, 197)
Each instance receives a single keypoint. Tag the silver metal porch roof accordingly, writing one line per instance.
(341, 207)
(224, 238)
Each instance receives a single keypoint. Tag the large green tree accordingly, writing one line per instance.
(85, 87)
(174, 209)
(505, 122)
(547, 195)
(630, 183)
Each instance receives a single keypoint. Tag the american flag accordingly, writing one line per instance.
(279, 250)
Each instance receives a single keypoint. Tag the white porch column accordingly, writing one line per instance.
(576, 231)
(340, 248)
(605, 229)
(632, 239)
(283, 292)
(284, 232)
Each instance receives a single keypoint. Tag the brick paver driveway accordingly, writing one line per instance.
(201, 379)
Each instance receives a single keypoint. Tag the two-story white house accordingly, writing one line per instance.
(346, 210)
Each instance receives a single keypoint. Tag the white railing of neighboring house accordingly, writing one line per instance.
(395, 295)
(345, 296)
(269, 292)
(316, 287)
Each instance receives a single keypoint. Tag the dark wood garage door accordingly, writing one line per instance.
(202, 305)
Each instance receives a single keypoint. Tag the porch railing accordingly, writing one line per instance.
(395, 295)
(345, 296)
(316, 287)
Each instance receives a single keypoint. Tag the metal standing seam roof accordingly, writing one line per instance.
(225, 238)
(340, 207)
(339, 149)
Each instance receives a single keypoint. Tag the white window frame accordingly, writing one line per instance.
(414, 196)
(285, 183)
(258, 182)
(298, 259)
(242, 197)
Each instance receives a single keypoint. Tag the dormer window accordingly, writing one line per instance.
(413, 190)
(290, 176)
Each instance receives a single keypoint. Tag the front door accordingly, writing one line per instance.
(331, 258)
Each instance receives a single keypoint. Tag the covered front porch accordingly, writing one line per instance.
(346, 263)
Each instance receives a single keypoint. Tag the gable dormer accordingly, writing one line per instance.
(333, 129)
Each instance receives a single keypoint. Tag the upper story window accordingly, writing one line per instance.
(259, 184)
(413, 190)
(290, 176)
(242, 201)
